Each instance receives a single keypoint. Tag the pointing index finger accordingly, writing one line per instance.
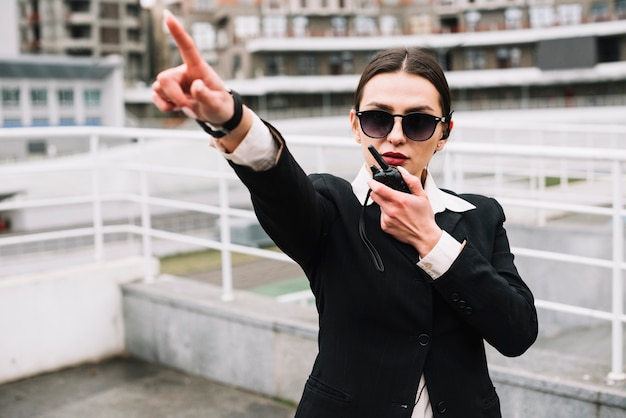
(190, 54)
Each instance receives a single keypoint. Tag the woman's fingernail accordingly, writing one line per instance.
(189, 113)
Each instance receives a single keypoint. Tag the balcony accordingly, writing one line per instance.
(90, 230)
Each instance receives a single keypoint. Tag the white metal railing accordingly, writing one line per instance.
(515, 174)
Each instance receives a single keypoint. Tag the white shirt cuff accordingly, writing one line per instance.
(258, 150)
(441, 257)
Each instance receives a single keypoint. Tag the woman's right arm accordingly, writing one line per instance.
(196, 89)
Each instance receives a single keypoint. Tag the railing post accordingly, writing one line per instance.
(146, 220)
(617, 328)
(98, 239)
(227, 262)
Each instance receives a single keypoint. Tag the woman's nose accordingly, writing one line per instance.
(396, 136)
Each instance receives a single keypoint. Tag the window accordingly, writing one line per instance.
(93, 121)
(246, 26)
(471, 20)
(10, 97)
(513, 18)
(36, 147)
(67, 122)
(307, 65)
(40, 122)
(275, 26)
(569, 14)
(275, 65)
(389, 25)
(541, 16)
(12, 123)
(109, 11)
(110, 36)
(66, 97)
(339, 25)
(203, 35)
(300, 26)
(365, 25)
(474, 59)
(599, 11)
(39, 97)
(92, 98)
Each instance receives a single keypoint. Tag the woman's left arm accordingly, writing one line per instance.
(483, 285)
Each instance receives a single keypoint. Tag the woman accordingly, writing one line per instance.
(408, 286)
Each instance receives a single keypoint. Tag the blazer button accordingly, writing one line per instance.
(468, 310)
(442, 407)
(461, 304)
(423, 340)
(455, 297)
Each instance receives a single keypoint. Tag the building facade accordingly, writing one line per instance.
(304, 56)
(88, 28)
(43, 90)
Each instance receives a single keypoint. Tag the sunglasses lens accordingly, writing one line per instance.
(376, 123)
(419, 126)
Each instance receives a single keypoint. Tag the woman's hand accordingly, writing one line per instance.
(409, 218)
(195, 88)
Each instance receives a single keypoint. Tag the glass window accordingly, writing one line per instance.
(10, 97)
(247, 26)
(513, 18)
(599, 11)
(67, 122)
(66, 97)
(203, 35)
(93, 121)
(365, 25)
(300, 26)
(388, 25)
(275, 26)
(39, 97)
(570, 14)
(12, 123)
(307, 65)
(40, 122)
(275, 65)
(339, 25)
(541, 16)
(36, 147)
(92, 97)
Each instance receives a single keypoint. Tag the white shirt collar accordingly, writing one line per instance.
(439, 200)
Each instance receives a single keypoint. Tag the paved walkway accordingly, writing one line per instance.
(125, 388)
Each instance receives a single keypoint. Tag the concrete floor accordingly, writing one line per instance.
(127, 387)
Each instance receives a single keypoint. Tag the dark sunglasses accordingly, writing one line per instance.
(415, 125)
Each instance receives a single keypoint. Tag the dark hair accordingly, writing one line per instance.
(412, 61)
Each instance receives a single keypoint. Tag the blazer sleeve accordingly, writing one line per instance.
(287, 205)
(484, 287)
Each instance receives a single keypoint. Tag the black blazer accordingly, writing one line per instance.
(379, 331)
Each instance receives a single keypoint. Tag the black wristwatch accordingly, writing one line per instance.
(230, 124)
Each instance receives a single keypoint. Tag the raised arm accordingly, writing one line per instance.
(196, 89)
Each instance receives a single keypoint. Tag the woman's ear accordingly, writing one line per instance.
(354, 123)
(447, 129)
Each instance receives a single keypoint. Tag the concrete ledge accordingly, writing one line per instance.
(258, 344)
(63, 317)
(251, 342)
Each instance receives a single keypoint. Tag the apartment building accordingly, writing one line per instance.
(45, 90)
(88, 28)
(290, 55)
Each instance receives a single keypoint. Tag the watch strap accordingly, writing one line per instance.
(228, 126)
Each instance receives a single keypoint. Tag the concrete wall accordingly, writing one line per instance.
(267, 347)
(252, 342)
(64, 317)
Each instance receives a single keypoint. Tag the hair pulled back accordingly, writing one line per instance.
(412, 61)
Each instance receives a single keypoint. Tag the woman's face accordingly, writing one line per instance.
(400, 93)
